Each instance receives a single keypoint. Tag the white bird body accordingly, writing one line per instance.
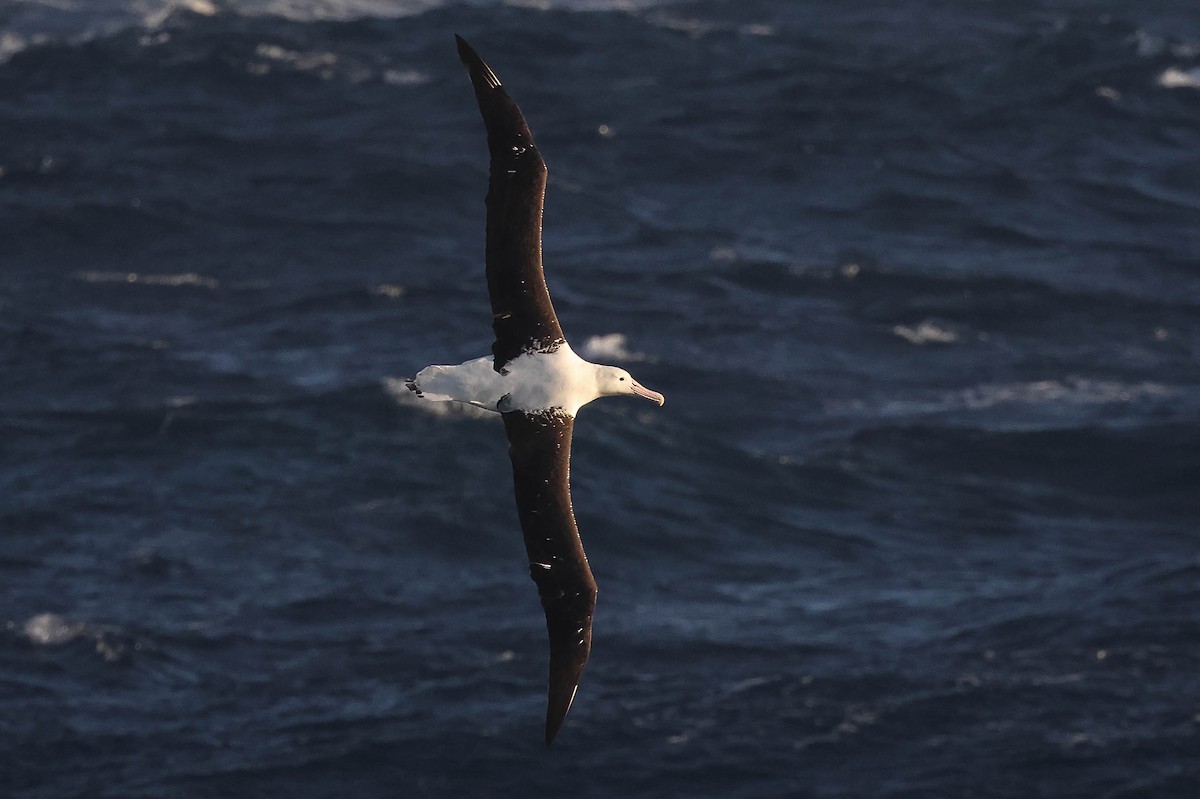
(534, 382)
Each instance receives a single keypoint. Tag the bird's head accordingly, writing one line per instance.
(614, 382)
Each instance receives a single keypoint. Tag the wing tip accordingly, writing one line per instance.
(476, 66)
(559, 704)
(567, 662)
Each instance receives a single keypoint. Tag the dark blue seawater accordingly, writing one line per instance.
(921, 283)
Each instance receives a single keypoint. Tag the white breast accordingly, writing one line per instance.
(539, 381)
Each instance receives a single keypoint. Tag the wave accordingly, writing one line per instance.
(1175, 78)
(182, 279)
(53, 630)
(37, 22)
(612, 346)
(1069, 394)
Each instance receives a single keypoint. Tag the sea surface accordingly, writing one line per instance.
(920, 281)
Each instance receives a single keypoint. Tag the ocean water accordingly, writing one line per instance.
(921, 284)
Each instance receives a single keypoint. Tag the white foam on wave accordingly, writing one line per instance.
(327, 66)
(50, 629)
(154, 18)
(390, 290)
(1071, 392)
(404, 77)
(180, 279)
(303, 61)
(927, 332)
(612, 346)
(35, 22)
(697, 28)
(310, 10)
(1037, 395)
(320, 62)
(1174, 78)
(11, 44)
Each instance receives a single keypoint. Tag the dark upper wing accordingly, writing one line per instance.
(522, 315)
(540, 448)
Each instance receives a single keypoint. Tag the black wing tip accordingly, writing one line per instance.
(568, 658)
(564, 682)
(465, 51)
(476, 66)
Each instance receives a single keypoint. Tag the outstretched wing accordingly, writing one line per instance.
(540, 448)
(522, 316)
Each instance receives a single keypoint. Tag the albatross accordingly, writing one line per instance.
(535, 381)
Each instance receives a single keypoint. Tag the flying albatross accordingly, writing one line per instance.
(535, 382)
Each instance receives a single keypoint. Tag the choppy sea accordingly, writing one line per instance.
(920, 281)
